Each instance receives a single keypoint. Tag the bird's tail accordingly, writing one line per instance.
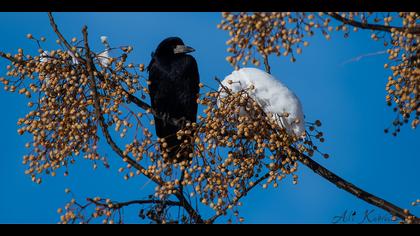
(172, 147)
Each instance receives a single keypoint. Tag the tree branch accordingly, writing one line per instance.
(266, 64)
(131, 97)
(354, 190)
(340, 183)
(98, 112)
(104, 127)
(4, 55)
(61, 37)
(139, 202)
(362, 25)
(309, 162)
(336, 180)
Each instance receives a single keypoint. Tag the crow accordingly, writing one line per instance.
(173, 89)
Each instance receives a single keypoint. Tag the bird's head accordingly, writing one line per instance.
(172, 46)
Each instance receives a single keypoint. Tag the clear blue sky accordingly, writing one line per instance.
(349, 99)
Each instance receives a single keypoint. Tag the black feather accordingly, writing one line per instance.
(174, 86)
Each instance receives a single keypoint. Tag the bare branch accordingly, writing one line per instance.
(362, 25)
(340, 183)
(354, 190)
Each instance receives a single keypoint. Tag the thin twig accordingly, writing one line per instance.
(61, 37)
(358, 58)
(119, 205)
(236, 200)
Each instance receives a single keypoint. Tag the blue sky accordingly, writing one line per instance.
(349, 99)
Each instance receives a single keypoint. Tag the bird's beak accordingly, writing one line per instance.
(183, 49)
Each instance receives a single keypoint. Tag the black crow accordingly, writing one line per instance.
(174, 87)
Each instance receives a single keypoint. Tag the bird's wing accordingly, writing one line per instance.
(188, 87)
(173, 91)
(162, 95)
